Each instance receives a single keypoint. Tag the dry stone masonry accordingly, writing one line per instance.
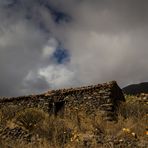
(104, 98)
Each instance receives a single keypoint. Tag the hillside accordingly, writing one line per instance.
(96, 116)
(136, 88)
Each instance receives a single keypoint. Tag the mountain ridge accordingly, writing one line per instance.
(135, 89)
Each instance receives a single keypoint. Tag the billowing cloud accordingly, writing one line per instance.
(53, 43)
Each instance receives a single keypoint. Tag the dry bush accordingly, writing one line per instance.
(133, 110)
(7, 113)
(30, 118)
(57, 131)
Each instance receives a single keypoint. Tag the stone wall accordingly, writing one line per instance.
(102, 97)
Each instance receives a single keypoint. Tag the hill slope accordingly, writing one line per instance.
(136, 88)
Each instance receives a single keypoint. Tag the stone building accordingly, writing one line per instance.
(104, 98)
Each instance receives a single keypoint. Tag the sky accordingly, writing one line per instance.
(52, 44)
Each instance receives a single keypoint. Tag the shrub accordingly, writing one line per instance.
(8, 112)
(57, 131)
(30, 118)
(132, 108)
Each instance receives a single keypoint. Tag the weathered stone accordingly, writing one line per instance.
(107, 96)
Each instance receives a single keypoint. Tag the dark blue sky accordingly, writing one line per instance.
(61, 55)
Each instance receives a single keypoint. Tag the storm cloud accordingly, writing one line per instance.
(53, 44)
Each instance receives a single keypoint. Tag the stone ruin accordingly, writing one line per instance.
(104, 98)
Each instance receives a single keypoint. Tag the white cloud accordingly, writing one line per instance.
(58, 76)
(49, 48)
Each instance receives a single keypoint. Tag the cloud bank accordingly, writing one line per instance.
(53, 43)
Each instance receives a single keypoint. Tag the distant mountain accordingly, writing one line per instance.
(136, 88)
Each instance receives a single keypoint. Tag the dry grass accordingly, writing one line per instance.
(78, 130)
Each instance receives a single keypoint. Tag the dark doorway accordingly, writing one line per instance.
(59, 108)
